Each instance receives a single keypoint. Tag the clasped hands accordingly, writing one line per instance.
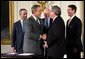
(45, 45)
(44, 37)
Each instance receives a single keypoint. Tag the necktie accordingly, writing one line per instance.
(69, 20)
(37, 20)
(46, 23)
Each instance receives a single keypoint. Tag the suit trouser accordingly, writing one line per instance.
(72, 54)
(44, 52)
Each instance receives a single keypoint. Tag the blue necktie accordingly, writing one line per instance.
(46, 23)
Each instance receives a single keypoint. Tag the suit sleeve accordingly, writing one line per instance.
(14, 36)
(78, 34)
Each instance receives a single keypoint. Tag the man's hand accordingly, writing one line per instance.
(45, 45)
(14, 50)
(44, 36)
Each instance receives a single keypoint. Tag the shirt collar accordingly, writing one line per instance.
(47, 18)
(72, 17)
(34, 17)
(54, 18)
(21, 20)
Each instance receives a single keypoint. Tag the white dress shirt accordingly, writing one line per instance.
(21, 23)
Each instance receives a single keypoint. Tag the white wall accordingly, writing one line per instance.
(63, 4)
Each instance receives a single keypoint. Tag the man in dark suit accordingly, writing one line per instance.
(46, 21)
(73, 33)
(33, 30)
(18, 32)
(46, 24)
(56, 35)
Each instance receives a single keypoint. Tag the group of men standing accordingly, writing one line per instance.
(36, 35)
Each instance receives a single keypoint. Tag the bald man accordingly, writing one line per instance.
(46, 24)
(47, 20)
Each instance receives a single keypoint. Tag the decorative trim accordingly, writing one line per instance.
(11, 20)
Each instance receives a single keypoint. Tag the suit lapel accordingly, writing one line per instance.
(35, 23)
(35, 20)
(50, 22)
(67, 23)
(72, 21)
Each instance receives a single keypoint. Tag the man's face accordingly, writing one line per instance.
(38, 12)
(70, 12)
(46, 12)
(23, 14)
(51, 13)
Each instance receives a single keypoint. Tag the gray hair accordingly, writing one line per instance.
(34, 8)
(56, 10)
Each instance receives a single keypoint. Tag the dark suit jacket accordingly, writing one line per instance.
(73, 34)
(56, 39)
(33, 30)
(17, 37)
(45, 30)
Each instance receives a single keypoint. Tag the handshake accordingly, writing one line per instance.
(44, 37)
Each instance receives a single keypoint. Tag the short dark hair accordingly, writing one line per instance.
(34, 7)
(73, 7)
(22, 10)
